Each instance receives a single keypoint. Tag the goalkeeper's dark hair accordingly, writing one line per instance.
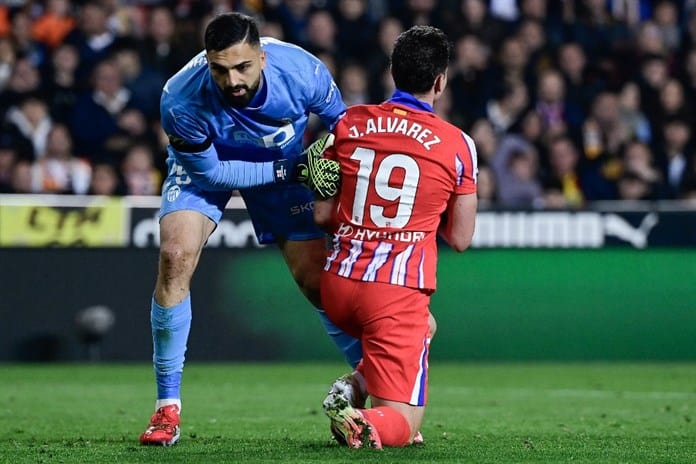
(228, 29)
(420, 54)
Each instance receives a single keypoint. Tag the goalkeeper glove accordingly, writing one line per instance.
(321, 175)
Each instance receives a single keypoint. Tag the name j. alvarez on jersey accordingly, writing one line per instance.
(396, 125)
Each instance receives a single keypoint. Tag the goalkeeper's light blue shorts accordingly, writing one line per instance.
(276, 210)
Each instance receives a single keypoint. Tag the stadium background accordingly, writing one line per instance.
(593, 262)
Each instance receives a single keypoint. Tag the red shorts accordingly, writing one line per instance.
(392, 324)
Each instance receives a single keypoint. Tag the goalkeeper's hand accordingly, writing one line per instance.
(321, 175)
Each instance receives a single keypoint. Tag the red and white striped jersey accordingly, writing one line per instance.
(400, 166)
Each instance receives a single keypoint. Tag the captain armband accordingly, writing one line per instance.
(183, 146)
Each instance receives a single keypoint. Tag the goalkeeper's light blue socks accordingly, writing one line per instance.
(170, 331)
(349, 346)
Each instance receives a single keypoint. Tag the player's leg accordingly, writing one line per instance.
(182, 236)
(187, 217)
(283, 214)
(393, 323)
(305, 260)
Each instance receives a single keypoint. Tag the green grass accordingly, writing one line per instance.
(478, 413)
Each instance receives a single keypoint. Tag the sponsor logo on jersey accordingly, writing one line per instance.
(358, 233)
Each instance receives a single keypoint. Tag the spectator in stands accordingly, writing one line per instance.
(92, 37)
(353, 83)
(293, 15)
(510, 66)
(557, 115)
(23, 40)
(32, 119)
(632, 118)
(603, 139)
(377, 64)
(589, 23)
(674, 153)
(673, 104)
(638, 159)
(357, 31)
(666, 18)
(139, 173)
(144, 82)
(471, 17)
(486, 188)
(639, 57)
(164, 47)
(533, 36)
(105, 180)
(321, 33)
(54, 24)
(653, 76)
(61, 85)
(24, 81)
(97, 113)
(468, 74)
(515, 165)
(505, 110)
(532, 129)
(582, 80)
(561, 181)
(485, 139)
(60, 171)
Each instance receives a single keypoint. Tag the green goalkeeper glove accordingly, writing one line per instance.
(321, 175)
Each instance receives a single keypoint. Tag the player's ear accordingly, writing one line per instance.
(440, 84)
(262, 59)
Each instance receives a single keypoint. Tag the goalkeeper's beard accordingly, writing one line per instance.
(241, 101)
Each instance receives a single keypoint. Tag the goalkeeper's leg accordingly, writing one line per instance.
(170, 317)
(305, 259)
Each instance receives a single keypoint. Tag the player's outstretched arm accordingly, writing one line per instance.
(457, 228)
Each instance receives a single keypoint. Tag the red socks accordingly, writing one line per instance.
(391, 425)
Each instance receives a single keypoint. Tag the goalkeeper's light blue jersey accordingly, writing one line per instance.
(295, 83)
(223, 148)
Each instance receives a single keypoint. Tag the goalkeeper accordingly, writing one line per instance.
(235, 116)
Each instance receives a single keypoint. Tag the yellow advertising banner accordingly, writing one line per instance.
(101, 222)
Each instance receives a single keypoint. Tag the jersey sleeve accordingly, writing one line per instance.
(466, 164)
(326, 99)
(193, 149)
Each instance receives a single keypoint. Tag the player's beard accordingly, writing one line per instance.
(241, 101)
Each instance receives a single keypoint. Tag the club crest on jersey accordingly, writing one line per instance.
(173, 193)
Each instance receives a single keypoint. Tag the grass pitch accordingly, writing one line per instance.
(478, 413)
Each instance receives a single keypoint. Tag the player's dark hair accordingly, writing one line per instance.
(420, 54)
(229, 29)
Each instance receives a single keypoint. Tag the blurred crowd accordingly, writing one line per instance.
(569, 102)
